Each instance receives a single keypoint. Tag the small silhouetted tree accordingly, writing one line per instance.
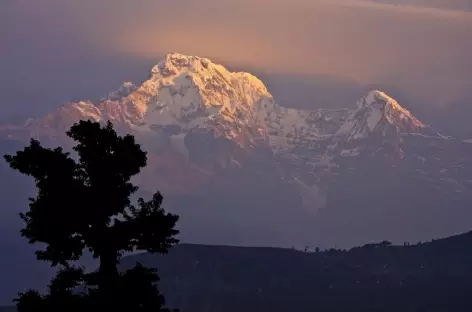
(85, 204)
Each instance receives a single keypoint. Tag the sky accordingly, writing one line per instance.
(53, 51)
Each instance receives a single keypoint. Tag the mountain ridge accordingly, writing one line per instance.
(214, 137)
(168, 98)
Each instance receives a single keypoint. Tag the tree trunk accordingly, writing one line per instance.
(108, 276)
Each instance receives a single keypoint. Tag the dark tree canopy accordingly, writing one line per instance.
(85, 204)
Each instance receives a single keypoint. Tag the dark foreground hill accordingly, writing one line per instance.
(430, 277)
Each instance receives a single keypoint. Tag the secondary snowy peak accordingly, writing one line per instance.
(378, 113)
(392, 112)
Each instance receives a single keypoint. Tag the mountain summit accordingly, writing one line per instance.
(378, 113)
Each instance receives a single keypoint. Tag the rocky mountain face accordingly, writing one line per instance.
(230, 160)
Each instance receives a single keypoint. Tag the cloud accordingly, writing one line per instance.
(415, 48)
(442, 5)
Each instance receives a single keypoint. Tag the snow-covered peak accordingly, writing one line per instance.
(377, 112)
(181, 93)
(175, 63)
(200, 71)
(385, 106)
(188, 90)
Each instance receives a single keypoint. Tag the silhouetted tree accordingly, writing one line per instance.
(85, 204)
(62, 294)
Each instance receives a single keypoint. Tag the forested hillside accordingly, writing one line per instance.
(433, 276)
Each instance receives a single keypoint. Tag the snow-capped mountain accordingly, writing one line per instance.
(377, 122)
(378, 113)
(221, 136)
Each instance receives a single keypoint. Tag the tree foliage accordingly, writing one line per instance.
(84, 203)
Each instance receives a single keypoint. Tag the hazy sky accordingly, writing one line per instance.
(56, 50)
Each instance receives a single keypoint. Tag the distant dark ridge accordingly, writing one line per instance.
(432, 276)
